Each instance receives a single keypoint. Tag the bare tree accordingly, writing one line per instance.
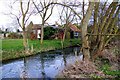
(21, 16)
(23, 23)
(66, 17)
(42, 8)
(104, 27)
(84, 24)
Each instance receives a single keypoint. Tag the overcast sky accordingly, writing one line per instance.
(5, 20)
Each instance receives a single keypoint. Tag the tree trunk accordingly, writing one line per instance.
(25, 41)
(95, 20)
(85, 42)
(108, 27)
(42, 33)
(64, 34)
(66, 30)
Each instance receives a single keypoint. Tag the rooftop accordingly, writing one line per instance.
(73, 27)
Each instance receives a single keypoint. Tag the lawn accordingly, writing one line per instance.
(12, 44)
(13, 48)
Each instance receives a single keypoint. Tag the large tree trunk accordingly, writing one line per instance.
(85, 42)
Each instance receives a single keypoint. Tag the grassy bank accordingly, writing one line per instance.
(13, 48)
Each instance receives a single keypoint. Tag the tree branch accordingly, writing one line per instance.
(28, 5)
(50, 13)
(21, 3)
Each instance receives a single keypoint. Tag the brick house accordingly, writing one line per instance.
(72, 32)
(34, 31)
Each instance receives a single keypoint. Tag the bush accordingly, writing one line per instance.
(48, 32)
(15, 36)
(106, 69)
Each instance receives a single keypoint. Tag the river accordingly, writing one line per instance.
(43, 65)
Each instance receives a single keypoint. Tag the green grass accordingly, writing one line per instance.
(106, 69)
(13, 48)
(12, 44)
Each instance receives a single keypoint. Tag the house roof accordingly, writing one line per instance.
(74, 28)
(33, 26)
(36, 26)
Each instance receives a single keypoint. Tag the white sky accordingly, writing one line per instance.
(5, 20)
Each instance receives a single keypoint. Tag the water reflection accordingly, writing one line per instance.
(64, 58)
(24, 73)
(43, 65)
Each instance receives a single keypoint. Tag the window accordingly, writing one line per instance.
(38, 31)
(75, 33)
(34, 32)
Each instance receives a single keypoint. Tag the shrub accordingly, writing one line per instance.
(15, 36)
(48, 32)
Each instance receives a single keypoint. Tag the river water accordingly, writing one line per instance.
(43, 65)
